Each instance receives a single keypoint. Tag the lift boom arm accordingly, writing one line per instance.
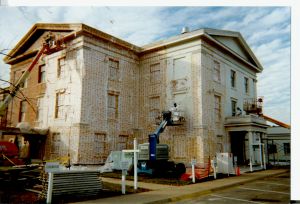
(154, 137)
(49, 46)
(276, 122)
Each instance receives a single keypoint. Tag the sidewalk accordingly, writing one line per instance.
(166, 193)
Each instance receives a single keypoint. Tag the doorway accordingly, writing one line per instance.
(238, 147)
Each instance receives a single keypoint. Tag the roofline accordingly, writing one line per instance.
(206, 33)
(78, 28)
(82, 29)
(56, 26)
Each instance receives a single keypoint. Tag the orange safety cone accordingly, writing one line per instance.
(237, 171)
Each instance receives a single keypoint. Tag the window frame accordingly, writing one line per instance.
(286, 148)
(232, 78)
(217, 71)
(60, 68)
(22, 110)
(217, 109)
(115, 107)
(233, 107)
(59, 107)
(115, 69)
(246, 85)
(42, 73)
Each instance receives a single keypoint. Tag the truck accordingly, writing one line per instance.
(153, 157)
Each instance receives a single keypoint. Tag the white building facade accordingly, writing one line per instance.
(100, 92)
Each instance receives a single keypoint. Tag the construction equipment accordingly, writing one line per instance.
(50, 45)
(277, 122)
(153, 157)
(255, 106)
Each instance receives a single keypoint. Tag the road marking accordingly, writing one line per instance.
(254, 189)
(278, 184)
(230, 198)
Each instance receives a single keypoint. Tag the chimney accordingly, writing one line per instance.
(185, 30)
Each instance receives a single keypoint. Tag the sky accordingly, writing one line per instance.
(267, 30)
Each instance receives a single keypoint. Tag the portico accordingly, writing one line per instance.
(247, 134)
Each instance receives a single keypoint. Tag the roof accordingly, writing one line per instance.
(38, 29)
(278, 130)
(231, 41)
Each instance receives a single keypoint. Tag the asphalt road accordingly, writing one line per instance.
(270, 190)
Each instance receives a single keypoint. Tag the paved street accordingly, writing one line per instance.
(269, 190)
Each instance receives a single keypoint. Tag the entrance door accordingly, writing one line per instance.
(238, 146)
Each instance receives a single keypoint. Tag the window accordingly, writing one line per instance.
(113, 70)
(42, 74)
(154, 108)
(232, 78)
(112, 106)
(155, 73)
(233, 107)
(246, 84)
(272, 148)
(61, 67)
(122, 142)
(217, 108)
(55, 143)
(23, 107)
(39, 114)
(24, 84)
(287, 148)
(59, 105)
(217, 71)
(99, 145)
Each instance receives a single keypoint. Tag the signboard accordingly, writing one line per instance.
(52, 166)
(193, 161)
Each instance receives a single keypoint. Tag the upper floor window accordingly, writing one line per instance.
(61, 67)
(217, 108)
(113, 70)
(24, 84)
(233, 107)
(232, 78)
(23, 107)
(112, 106)
(155, 73)
(246, 85)
(42, 74)
(59, 105)
(217, 71)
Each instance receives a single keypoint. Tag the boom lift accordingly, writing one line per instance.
(256, 106)
(154, 157)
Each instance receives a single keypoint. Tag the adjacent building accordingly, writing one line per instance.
(100, 92)
(279, 145)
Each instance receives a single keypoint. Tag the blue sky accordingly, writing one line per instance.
(267, 30)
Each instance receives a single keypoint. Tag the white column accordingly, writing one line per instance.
(260, 151)
(250, 141)
(135, 163)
